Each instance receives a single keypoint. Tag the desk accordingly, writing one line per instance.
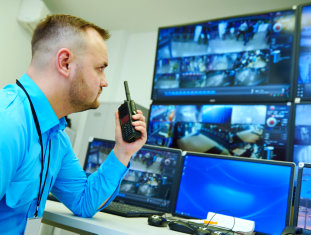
(56, 214)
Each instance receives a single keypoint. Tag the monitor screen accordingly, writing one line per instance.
(97, 152)
(251, 189)
(226, 58)
(304, 59)
(302, 136)
(152, 178)
(255, 131)
(302, 209)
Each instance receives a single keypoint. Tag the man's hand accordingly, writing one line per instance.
(124, 150)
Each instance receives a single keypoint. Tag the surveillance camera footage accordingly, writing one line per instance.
(207, 60)
(255, 131)
(304, 207)
(151, 177)
(97, 153)
(302, 137)
(304, 64)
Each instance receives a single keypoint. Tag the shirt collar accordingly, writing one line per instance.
(46, 115)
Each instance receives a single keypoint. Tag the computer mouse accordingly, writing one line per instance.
(181, 226)
(158, 221)
(202, 231)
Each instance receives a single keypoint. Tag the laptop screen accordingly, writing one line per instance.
(302, 209)
(252, 189)
(152, 178)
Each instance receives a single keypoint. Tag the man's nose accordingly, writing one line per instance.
(103, 82)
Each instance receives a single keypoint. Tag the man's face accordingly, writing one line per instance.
(88, 77)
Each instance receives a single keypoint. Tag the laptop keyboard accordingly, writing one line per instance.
(127, 210)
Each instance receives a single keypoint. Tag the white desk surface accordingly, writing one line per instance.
(57, 214)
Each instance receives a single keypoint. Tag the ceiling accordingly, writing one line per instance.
(148, 15)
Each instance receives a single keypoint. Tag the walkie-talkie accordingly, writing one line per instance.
(126, 111)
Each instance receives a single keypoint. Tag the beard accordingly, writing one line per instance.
(79, 93)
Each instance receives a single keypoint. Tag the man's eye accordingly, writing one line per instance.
(101, 68)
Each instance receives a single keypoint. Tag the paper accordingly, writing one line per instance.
(232, 223)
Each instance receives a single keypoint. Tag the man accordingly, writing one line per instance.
(66, 75)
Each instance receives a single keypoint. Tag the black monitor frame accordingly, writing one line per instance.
(290, 130)
(233, 158)
(233, 98)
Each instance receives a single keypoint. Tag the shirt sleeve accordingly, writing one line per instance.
(82, 195)
(11, 145)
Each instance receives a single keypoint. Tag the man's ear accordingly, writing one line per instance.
(64, 57)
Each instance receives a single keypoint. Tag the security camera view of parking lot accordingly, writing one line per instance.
(255, 131)
(248, 55)
(304, 212)
(304, 76)
(151, 177)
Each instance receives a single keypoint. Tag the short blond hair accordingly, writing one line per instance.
(53, 26)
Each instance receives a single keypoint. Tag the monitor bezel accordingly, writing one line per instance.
(236, 98)
(260, 161)
(290, 129)
(179, 162)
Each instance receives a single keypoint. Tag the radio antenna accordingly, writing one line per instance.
(127, 92)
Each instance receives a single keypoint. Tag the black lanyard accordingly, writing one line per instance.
(40, 139)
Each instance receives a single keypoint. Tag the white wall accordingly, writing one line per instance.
(15, 52)
(131, 58)
(138, 67)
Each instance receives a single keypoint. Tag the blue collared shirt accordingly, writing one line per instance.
(20, 162)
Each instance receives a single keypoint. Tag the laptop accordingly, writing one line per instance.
(150, 185)
(253, 189)
(302, 205)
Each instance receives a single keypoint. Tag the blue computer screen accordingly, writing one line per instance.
(223, 59)
(255, 191)
(253, 130)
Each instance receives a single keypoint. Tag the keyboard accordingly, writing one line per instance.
(190, 227)
(127, 210)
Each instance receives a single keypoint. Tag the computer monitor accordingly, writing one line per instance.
(225, 59)
(151, 181)
(304, 54)
(302, 136)
(251, 189)
(249, 130)
(302, 208)
(97, 152)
